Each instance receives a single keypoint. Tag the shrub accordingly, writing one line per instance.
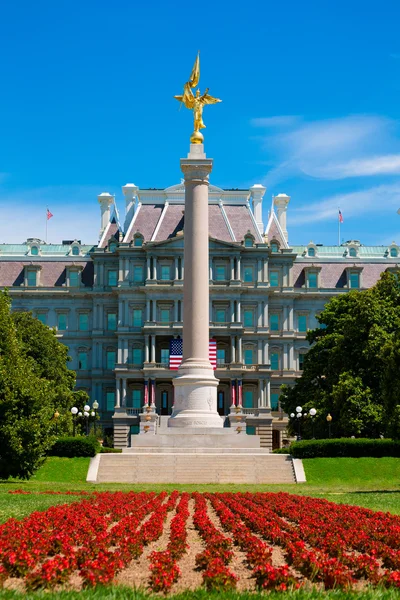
(285, 450)
(345, 447)
(105, 450)
(75, 446)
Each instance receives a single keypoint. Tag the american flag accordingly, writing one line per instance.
(340, 217)
(49, 214)
(175, 354)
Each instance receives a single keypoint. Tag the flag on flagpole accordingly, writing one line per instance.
(49, 214)
(175, 354)
(340, 217)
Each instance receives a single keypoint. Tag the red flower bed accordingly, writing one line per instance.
(97, 537)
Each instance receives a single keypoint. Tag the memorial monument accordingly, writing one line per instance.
(195, 403)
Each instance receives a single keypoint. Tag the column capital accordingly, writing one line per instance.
(196, 169)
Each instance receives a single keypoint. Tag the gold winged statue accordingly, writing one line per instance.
(196, 102)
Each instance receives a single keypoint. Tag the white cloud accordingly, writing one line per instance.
(353, 146)
(382, 198)
(279, 121)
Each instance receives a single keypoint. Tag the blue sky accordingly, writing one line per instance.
(311, 107)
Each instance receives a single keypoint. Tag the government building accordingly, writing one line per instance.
(118, 304)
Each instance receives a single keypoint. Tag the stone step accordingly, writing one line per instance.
(186, 466)
(196, 450)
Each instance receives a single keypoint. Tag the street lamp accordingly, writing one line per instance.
(313, 412)
(95, 407)
(74, 412)
(329, 419)
(299, 414)
(86, 414)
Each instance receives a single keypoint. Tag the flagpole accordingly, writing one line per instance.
(338, 226)
(47, 208)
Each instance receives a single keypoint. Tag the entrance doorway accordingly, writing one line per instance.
(276, 439)
(221, 403)
(165, 408)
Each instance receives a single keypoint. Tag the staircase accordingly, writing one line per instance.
(192, 465)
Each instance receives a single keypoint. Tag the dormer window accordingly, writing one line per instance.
(353, 253)
(249, 240)
(75, 251)
(32, 275)
(112, 247)
(274, 247)
(138, 240)
(311, 252)
(394, 252)
(34, 251)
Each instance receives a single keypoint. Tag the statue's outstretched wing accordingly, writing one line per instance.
(188, 98)
(207, 99)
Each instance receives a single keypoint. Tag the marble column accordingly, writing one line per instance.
(195, 385)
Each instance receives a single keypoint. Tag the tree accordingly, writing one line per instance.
(352, 370)
(25, 409)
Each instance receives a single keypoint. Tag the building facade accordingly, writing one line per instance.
(118, 304)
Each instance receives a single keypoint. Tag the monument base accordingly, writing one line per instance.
(195, 399)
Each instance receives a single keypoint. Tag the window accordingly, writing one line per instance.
(137, 317)
(221, 356)
(137, 398)
(111, 321)
(311, 252)
(248, 318)
(248, 274)
(302, 323)
(274, 401)
(274, 360)
(164, 356)
(83, 321)
(248, 399)
(137, 356)
(312, 280)
(274, 278)
(164, 315)
(42, 317)
(248, 242)
(274, 322)
(110, 359)
(165, 272)
(73, 278)
(301, 361)
(164, 400)
(354, 280)
(393, 252)
(248, 356)
(110, 401)
(82, 361)
(220, 273)
(112, 278)
(220, 315)
(31, 278)
(112, 247)
(138, 241)
(61, 322)
(34, 251)
(353, 252)
(220, 401)
(274, 247)
(137, 273)
(75, 250)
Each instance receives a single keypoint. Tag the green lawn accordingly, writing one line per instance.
(370, 482)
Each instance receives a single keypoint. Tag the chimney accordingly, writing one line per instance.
(257, 192)
(130, 191)
(281, 202)
(105, 200)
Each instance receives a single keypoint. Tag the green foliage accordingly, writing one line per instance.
(25, 408)
(72, 447)
(347, 447)
(285, 450)
(352, 370)
(105, 450)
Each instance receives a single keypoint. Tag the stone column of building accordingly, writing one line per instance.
(195, 385)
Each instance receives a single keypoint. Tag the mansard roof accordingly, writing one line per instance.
(274, 231)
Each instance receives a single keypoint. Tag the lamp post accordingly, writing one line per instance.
(74, 412)
(329, 419)
(313, 412)
(95, 407)
(56, 417)
(299, 414)
(86, 414)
